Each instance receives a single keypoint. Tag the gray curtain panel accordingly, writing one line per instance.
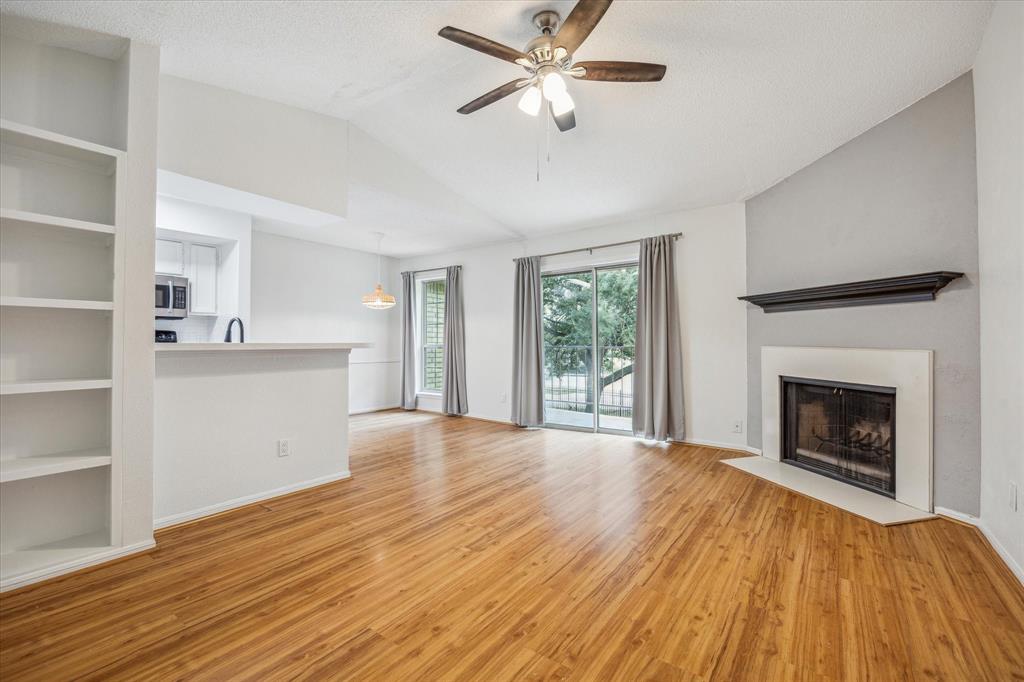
(658, 366)
(408, 341)
(453, 391)
(527, 342)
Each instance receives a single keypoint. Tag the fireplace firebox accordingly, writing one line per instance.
(844, 431)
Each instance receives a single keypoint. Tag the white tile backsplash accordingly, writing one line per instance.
(193, 329)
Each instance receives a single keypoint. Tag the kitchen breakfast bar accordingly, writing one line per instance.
(240, 422)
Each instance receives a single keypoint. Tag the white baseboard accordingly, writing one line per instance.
(1004, 553)
(724, 446)
(182, 517)
(100, 557)
(492, 420)
(978, 523)
(958, 516)
(379, 408)
(689, 441)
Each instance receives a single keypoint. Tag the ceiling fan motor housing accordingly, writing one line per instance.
(540, 49)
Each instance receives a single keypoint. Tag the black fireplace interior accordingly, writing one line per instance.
(844, 431)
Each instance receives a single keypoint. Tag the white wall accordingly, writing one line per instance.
(232, 231)
(999, 116)
(303, 292)
(308, 176)
(710, 275)
(219, 416)
(253, 144)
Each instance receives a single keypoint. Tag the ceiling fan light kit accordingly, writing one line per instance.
(562, 104)
(548, 60)
(530, 102)
(553, 85)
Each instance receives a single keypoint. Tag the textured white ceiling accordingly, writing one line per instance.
(754, 90)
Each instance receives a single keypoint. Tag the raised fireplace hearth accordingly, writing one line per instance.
(842, 430)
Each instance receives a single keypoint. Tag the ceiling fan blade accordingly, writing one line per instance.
(481, 44)
(580, 22)
(621, 72)
(566, 121)
(494, 95)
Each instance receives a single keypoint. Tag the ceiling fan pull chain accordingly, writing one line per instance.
(547, 136)
(536, 147)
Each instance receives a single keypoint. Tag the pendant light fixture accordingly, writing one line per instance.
(378, 300)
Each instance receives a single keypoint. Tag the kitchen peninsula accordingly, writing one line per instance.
(240, 422)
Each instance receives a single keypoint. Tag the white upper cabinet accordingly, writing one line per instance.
(203, 279)
(200, 263)
(170, 257)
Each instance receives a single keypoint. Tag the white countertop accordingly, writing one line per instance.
(236, 347)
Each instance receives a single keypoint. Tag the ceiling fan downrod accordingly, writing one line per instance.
(547, 21)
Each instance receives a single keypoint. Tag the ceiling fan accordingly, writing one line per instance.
(548, 57)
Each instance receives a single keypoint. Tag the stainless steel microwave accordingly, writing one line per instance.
(171, 297)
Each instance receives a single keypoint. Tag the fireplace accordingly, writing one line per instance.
(841, 430)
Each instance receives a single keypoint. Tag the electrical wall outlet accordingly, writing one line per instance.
(284, 447)
(504, 397)
(1013, 496)
(737, 426)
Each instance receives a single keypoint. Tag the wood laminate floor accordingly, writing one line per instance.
(467, 550)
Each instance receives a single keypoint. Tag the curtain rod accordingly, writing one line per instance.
(674, 235)
(416, 272)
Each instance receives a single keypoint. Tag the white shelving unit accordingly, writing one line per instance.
(20, 468)
(60, 148)
(15, 216)
(66, 303)
(62, 208)
(45, 386)
(56, 555)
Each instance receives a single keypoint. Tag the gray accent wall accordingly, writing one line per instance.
(899, 199)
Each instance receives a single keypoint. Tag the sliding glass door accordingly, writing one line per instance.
(568, 348)
(589, 331)
(616, 335)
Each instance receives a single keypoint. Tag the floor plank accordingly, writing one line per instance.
(463, 549)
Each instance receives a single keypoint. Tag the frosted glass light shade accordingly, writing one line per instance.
(553, 85)
(529, 103)
(562, 104)
(378, 300)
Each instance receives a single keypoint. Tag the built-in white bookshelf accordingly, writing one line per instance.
(53, 386)
(56, 555)
(65, 303)
(20, 468)
(62, 208)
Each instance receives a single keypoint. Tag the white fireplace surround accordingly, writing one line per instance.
(908, 371)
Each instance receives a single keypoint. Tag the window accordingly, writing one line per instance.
(432, 335)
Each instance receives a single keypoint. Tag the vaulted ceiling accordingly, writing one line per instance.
(754, 90)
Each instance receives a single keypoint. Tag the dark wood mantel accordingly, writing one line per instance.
(901, 289)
